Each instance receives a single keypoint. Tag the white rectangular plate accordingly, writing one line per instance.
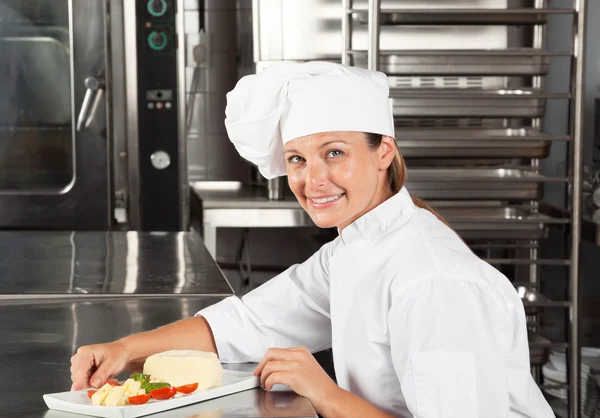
(78, 402)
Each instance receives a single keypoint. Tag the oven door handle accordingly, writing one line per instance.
(91, 100)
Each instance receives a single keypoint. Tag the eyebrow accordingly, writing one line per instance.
(332, 142)
(320, 146)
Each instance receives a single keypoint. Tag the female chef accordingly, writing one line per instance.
(418, 324)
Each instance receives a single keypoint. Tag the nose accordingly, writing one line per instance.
(316, 174)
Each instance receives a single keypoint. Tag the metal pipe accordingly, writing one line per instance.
(184, 207)
(276, 188)
(131, 80)
(539, 32)
(578, 83)
(374, 31)
(346, 31)
(256, 30)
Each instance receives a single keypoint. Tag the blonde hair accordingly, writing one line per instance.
(397, 174)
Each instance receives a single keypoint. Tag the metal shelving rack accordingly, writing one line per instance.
(506, 210)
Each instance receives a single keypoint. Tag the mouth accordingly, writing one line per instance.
(325, 201)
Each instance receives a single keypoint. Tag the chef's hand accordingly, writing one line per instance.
(298, 369)
(93, 365)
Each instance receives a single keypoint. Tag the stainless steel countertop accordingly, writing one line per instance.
(100, 264)
(38, 340)
(232, 195)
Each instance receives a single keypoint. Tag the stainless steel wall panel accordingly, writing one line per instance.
(217, 78)
(244, 4)
(216, 23)
(222, 75)
(197, 146)
(210, 4)
(311, 29)
(215, 104)
(199, 125)
(211, 155)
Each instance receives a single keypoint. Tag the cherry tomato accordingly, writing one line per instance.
(163, 393)
(91, 392)
(113, 382)
(187, 388)
(139, 399)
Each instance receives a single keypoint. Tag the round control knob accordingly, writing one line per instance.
(157, 8)
(157, 40)
(160, 160)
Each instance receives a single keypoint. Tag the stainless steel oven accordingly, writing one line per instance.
(90, 114)
(54, 136)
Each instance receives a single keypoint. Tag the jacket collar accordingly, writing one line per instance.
(389, 215)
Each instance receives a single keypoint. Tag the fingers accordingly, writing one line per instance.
(80, 382)
(105, 371)
(89, 368)
(276, 366)
(282, 378)
(81, 365)
(280, 354)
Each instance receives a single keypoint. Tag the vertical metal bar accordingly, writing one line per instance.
(117, 110)
(133, 162)
(374, 31)
(184, 202)
(346, 31)
(109, 106)
(72, 82)
(256, 42)
(539, 32)
(577, 75)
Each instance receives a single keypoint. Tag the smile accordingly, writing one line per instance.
(320, 201)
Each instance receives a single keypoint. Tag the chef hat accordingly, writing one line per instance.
(290, 100)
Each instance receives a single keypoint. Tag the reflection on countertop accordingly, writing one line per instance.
(39, 340)
(115, 263)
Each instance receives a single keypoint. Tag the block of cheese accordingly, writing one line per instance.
(182, 367)
(99, 397)
(131, 388)
(116, 397)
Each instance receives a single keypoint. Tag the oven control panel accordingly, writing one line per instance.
(159, 159)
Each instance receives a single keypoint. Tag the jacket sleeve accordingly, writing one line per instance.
(290, 310)
(460, 349)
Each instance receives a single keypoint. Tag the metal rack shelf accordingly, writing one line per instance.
(512, 61)
(474, 103)
(451, 124)
(460, 16)
(475, 142)
(478, 183)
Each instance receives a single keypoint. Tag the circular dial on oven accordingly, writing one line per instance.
(157, 8)
(160, 160)
(157, 40)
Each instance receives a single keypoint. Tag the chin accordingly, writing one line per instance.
(325, 222)
(325, 225)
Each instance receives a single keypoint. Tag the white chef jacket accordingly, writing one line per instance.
(419, 325)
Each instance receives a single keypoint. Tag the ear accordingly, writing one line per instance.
(387, 152)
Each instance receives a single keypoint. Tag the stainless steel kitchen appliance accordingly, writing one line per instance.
(54, 144)
(90, 115)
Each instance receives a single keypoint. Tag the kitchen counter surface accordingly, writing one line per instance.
(40, 338)
(106, 264)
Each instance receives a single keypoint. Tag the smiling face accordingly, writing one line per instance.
(337, 177)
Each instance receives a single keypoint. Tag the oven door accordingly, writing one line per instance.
(54, 131)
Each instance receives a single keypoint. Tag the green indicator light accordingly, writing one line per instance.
(157, 40)
(157, 8)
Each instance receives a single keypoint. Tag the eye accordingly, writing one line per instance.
(295, 159)
(335, 153)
